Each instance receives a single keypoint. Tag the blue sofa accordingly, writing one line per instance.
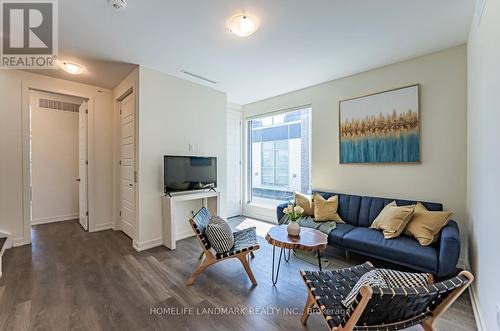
(355, 235)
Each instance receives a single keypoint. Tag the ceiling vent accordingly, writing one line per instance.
(198, 76)
(58, 105)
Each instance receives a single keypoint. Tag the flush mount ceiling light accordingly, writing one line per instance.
(242, 25)
(72, 68)
(117, 4)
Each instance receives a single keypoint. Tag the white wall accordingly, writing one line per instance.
(172, 114)
(11, 148)
(441, 177)
(484, 161)
(54, 160)
(103, 158)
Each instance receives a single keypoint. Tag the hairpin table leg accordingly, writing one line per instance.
(273, 276)
(287, 259)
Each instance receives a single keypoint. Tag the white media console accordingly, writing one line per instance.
(176, 213)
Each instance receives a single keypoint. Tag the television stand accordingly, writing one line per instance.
(176, 213)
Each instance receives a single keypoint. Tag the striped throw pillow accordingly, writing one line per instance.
(219, 235)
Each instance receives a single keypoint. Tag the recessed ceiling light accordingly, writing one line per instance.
(242, 25)
(72, 68)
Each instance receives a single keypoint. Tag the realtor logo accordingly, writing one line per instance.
(29, 34)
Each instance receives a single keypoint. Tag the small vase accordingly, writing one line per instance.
(293, 229)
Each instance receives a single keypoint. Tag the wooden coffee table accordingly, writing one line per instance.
(308, 240)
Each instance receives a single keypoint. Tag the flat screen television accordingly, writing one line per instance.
(188, 173)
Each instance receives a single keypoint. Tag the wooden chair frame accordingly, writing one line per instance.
(209, 258)
(366, 294)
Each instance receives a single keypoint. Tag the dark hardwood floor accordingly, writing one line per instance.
(69, 279)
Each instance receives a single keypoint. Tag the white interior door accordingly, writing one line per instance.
(233, 163)
(127, 165)
(82, 166)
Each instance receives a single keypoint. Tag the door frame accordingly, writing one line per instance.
(131, 92)
(128, 86)
(26, 87)
(86, 226)
(239, 113)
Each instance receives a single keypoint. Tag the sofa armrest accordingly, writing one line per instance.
(279, 210)
(449, 249)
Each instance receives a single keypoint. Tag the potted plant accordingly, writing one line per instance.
(294, 213)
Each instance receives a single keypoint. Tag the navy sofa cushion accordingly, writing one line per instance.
(336, 235)
(402, 250)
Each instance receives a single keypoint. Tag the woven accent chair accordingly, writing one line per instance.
(245, 242)
(378, 308)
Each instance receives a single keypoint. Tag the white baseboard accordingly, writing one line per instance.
(475, 303)
(104, 226)
(142, 246)
(475, 308)
(45, 220)
(20, 242)
(184, 235)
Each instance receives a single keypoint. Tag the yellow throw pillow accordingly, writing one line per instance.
(392, 220)
(305, 202)
(326, 210)
(425, 225)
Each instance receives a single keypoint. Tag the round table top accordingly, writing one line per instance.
(308, 240)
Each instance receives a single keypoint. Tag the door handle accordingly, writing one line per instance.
(78, 179)
(130, 185)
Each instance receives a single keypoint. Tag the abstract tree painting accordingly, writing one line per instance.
(381, 128)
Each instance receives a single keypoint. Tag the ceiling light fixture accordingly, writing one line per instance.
(242, 25)
(117, 4)
(72, 68)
